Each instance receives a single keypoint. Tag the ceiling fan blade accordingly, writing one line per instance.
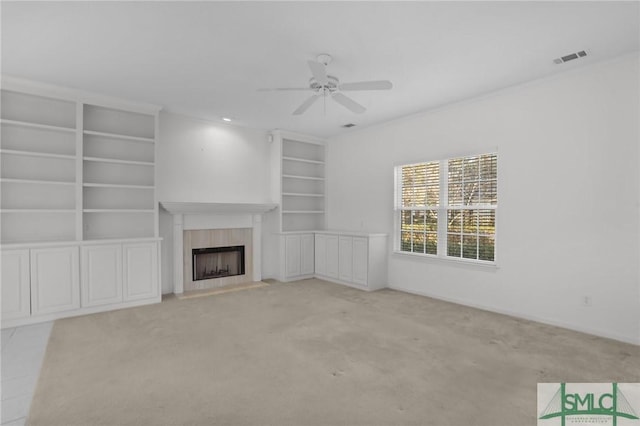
(280, 89)
(348, 103)
(367, 85)
(318, 71)
(306, 104)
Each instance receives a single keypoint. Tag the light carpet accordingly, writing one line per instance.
(312, 353)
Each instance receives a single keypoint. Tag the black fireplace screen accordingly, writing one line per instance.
(217, 262)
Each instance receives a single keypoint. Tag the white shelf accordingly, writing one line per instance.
(37, 182)
(116, 161)
(302, 160)
(37, 211)
(117, 211)
(302, 177)
(37, 126)
(300, 194)
(36, 154)
(113, 185)
(119, 136)
(303, 212)
(74, 170)
(303, 183)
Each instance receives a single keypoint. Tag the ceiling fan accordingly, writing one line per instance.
(325, 85)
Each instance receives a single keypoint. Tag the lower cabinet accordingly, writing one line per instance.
(307, 250)
(55, 284)
(345, 258)
(101, 274)
(332, 256)
(321, 254)
(352, 258)
(16, 291)
(297, 256)
(44, 283)
(358, 260)
(115, 273)
(292, 255)
(140, 271)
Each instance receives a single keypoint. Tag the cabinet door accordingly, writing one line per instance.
(140, 265)
(321, 254)
(101, 275)
(292, 255)
(16, 291)
(332, 256)
(55, 284)
(360, 260)
(307, 257)
(345, 262)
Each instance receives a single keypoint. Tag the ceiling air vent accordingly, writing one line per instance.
(570, 57)
(348, 125)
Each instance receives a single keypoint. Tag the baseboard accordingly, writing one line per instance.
(78, 312)
(561, 324)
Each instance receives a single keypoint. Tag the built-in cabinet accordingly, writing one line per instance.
(78, 208)
(301, 184)
(16, 287)
(140, 262)
(299, 165)
(355, 259)
(55, 281)
(101, 274)
(297, 254)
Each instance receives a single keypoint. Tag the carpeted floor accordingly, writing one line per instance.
(311, 353)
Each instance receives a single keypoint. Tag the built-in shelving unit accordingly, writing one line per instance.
(118, 172)
(38, 169)
(303, 183)
(78, 210)
(75, 170)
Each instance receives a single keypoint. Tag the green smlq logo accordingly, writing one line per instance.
(612, 404)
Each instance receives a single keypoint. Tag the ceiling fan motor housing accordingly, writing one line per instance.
(330, 87)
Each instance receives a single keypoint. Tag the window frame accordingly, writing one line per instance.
(442, 210)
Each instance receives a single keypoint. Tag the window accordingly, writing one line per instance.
(448, 208)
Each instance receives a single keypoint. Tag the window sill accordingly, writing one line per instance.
(452, 260)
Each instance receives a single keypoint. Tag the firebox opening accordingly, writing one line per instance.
(217, 262)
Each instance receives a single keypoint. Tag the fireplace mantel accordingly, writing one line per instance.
(193, 216)
(177, 207)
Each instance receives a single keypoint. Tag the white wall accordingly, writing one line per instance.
(208, 162)
(203, 161)
(569, 186)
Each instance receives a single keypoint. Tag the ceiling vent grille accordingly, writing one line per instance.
(348, 125)
(570, 57)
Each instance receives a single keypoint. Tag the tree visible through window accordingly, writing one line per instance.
(448, 207)
(420, 200)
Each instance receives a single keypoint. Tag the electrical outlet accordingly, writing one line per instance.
(586, 301)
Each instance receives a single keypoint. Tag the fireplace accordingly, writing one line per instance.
(217, 262)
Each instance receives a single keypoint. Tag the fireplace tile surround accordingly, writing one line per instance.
(202, 223)
(203, 238)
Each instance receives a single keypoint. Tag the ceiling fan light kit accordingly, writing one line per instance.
(325, 85)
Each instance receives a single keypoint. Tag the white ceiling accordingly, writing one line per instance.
(207, 59)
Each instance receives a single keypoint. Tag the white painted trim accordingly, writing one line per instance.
(78, 312)
(13, 83)
(77, 243)
(453, 260)
(285, 134)
(347, 283)
(175, 207)
(633, 56)
(256, 235)
(555, 323)
(183, 220)
(178, 265)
